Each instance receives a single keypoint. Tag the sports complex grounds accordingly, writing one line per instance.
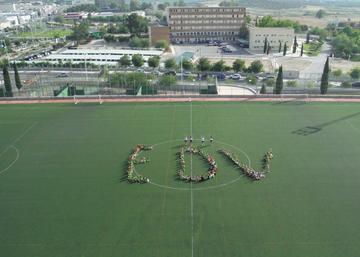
(80, 178)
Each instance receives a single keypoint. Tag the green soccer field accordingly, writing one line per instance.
(63, 192)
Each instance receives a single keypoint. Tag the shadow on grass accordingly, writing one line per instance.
(309, 130)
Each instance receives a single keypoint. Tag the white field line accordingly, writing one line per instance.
(14, 161)
(191, 189)
(18, 138)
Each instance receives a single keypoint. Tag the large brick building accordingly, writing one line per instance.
(204, 24)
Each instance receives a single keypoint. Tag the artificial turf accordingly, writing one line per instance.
(63, 193)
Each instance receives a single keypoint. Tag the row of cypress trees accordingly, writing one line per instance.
(7, 81)
(267, 47)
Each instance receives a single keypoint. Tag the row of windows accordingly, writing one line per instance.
(213, 16)
(202, 40)
(202, 33)
(199, 21)
(273, 35)
(203, 27)
(90, 54)
(205, 10)
(270, 41)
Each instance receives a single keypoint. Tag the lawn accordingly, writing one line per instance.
(63, 192)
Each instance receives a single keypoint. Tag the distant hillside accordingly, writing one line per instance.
(286, 4)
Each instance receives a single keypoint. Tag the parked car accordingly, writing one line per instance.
(356, 84)
(221, 76)
(62, 75)
(235, 76)
(226, 50)
(170, 72)
(212, 43)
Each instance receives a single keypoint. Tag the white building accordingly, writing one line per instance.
(274, 36)
(97, 56)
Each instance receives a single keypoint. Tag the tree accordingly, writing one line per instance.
(263, 89)
(256, 67)
(125, 60)
(204, 64)
(136, 24)
(244, 32)
(302, 49)
(167, 81)
(268, 49)
(285, 49)
(355, 73)
(134, 5)
(59, 19)
(139, 42)
(238, 65)
(7, 81)
(170, 63)
(187, 65)
(280, 46)
(17, 77)
(308, 38)
(137, 60)
(154, 61)
(265, 45)
(325, 78)
(295, 45)
(80, 32)
(162, 44)
(320, 14)
(279, 82)
(219, 66)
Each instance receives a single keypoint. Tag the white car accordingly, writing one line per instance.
(235, 76)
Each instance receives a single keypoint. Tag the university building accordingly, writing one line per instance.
(205, 24)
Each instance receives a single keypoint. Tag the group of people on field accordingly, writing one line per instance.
(190, 140)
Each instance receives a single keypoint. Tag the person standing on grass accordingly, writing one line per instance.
(191, 139)
(202, 140)
(211, 139)
(185, 140)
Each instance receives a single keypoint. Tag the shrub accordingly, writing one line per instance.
(291, 83)
(251, 79)
(346, 84)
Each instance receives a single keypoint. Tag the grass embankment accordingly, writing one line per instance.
(54, 33)
(313, 49)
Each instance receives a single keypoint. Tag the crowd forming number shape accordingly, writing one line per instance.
(134, 177)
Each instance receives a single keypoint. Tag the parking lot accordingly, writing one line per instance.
(203, 50)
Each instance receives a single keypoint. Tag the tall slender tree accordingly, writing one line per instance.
(7, 81)
(302, 49)
(308, 38)
(17, 77)
(295, 45)
(280, 46)
(285, 49)
(279, 82)
(325, 78)
(265, 45)
(268, 49)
